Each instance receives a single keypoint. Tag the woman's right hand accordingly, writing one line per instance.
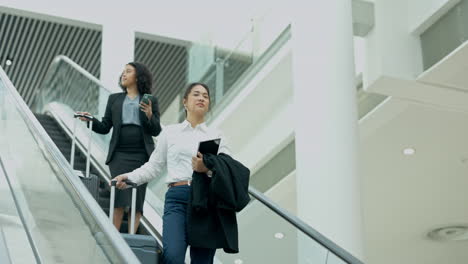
(121, 181)
(83, 118)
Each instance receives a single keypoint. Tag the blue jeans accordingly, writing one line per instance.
(175, 232)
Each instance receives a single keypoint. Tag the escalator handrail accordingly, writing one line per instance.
(50, 72)
(102, 172)
(58, 59)
(304, 227)
(37, 130)
(292, 219)
(64, 59)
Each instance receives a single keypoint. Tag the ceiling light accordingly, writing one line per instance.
(238, 261)
(8, 62)
(279, 235)
(449, 233)
(409, 151)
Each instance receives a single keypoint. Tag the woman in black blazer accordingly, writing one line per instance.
(134, 124)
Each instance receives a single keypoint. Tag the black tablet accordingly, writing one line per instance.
(209, 146)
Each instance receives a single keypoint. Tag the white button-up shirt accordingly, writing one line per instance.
(176, 146)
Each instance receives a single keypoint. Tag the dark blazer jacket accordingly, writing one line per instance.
(214, 202)
(113, 118)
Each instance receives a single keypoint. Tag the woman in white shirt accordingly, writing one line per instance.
(176, 151)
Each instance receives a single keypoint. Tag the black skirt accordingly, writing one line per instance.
(130, 154)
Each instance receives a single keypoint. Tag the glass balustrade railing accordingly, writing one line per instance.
(266, 235)
(226, 68)
(62, 221)
(68, 88)
(269, 234)
(68, 84)
(14, 241)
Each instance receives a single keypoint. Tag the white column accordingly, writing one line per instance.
(391, 47)
(118, 43)
(328, 183)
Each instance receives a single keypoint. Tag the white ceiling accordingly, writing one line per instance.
(404, 197)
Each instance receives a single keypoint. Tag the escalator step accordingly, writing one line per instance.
(42, 117)
(49, 127)
(124, 227)
(47, 119)
(80, 163)
(67, 157)
(67, 151)
(64, 147)
(104, 202)
(56, 134)
(63, 142)
(104, 193)
(60, 141)
(103, 184)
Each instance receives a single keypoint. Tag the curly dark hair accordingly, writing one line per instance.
(143, 76)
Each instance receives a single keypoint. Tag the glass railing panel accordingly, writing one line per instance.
(14, 243)
(269, 25)
(234, 62)
(77, 89)
(231, 64)
(265, 237)
(156, 195)
(444, 35)
(260, 229)
(226, 64)
(73, 90)
(63, 221)
(333, 259)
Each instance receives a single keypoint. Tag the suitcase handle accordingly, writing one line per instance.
(133, 209)
(90, 136)
(128, 182)
(85, 116)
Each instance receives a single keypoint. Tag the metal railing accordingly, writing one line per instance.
(87, 206)
(65, 77)
(280, 212)
(305, 228)
(22, 218)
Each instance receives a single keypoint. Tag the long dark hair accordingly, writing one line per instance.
(189, 89)
(143, 76)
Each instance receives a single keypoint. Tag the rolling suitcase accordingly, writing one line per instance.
(145, 247)
(91, 181)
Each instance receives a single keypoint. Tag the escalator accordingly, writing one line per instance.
(46, 213)
(63, 142)
(61, 221)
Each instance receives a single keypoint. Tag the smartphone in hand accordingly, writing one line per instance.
(147, 98)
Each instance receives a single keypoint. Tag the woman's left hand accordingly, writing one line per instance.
(198, 165)
(147, 109)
